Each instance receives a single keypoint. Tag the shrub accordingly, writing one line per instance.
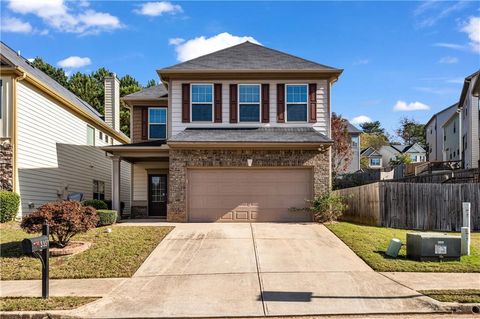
(9, 202)
(95, 203)
(66, 219)
(106, 217)
(325, 208)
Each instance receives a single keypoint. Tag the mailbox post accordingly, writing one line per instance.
(40, 248)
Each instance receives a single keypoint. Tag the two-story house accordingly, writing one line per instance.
(469, 119)
(50, 139)
(241, 134)
(434, 133)
(385, 155)
(354, 134)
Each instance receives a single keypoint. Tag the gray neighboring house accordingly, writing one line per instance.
(469, 121)
(381, 158)
(241, 134)
(354, 134)
(373, 156)
(434, 133)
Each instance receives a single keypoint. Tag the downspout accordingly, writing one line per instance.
(460, 133)
(16, 186)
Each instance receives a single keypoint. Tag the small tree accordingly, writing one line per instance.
(410, 131)
(66, 219)
(342, 145)
(401, 159)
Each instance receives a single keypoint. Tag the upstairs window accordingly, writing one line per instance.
(90, 135)
(100, 135)
(374, 162)
(202, 103)
(157, 123)
(297, 99)
(354, 141)
(249, 102)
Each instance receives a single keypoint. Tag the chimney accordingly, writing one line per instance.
(112, 101)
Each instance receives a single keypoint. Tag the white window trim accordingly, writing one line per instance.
(286, 103)
(94, 137)
(166, 125)
(252, 103)
(374, 165)
(191, 103)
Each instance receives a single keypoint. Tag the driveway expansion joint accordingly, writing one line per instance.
(260, 283)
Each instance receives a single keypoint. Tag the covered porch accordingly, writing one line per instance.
(149, 177)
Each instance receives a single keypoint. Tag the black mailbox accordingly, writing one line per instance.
(31, 245)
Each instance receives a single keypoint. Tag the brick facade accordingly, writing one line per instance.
(180, 160)
(6, 165)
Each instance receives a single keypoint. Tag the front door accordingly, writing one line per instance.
(157, 195)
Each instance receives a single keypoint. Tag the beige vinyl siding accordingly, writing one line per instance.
(470, 127)
(53, 155)
(322, 106)
(140, 178)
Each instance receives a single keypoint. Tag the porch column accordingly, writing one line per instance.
(116, 184)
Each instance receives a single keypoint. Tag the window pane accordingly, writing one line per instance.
(250, 93)
(158, 131)
(296, 93)
(202, 112)
(249, 112)
(201, 93)
(296, 112)
(90, 135)
(157, 115)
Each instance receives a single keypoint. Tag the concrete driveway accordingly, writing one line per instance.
(263, 269)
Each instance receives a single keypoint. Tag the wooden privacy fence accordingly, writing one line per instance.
(412, 205)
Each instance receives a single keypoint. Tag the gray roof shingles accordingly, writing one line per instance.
(249, 56)
(251, 135)
(153, 92)
(23, 63)
(352, 128)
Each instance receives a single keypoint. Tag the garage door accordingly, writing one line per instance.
(233, 195)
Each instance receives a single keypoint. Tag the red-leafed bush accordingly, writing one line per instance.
(66, 219)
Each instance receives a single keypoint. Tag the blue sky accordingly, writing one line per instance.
(400, 58)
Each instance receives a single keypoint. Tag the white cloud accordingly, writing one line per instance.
(361, 62)
(431, 12)
(74, 18)
(472, 28)
(448, 60)
(360, 119)
(450, 46)
(201, 45)
(74, 62)
(15, 25)
(154, 9)
(176, 41)
(407, 107)
(439, 91)
(455, 80)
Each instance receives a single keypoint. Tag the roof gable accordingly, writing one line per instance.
(151, 93)
(249, 56)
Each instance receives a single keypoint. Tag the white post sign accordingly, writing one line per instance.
(466, 229)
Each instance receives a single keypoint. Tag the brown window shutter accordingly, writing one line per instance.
(218, 102)
(265, 103)
(185, 103)
(281, 103)
(312, 101)
(144, 123)
(233, 103)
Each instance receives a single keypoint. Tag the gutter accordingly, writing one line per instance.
(21, 75)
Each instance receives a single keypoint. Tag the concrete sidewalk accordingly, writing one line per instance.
(429, 280)
(98, 287)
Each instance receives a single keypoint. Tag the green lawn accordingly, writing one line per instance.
(116, 254)
(461, 295)
(370, 243)
(39, 304)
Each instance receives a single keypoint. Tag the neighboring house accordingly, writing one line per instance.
(382, 158)
(373, 156)
(50, 138)
(469, 109)
(451, 139)
(434, 133)
(354, 134)
(241, 134)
